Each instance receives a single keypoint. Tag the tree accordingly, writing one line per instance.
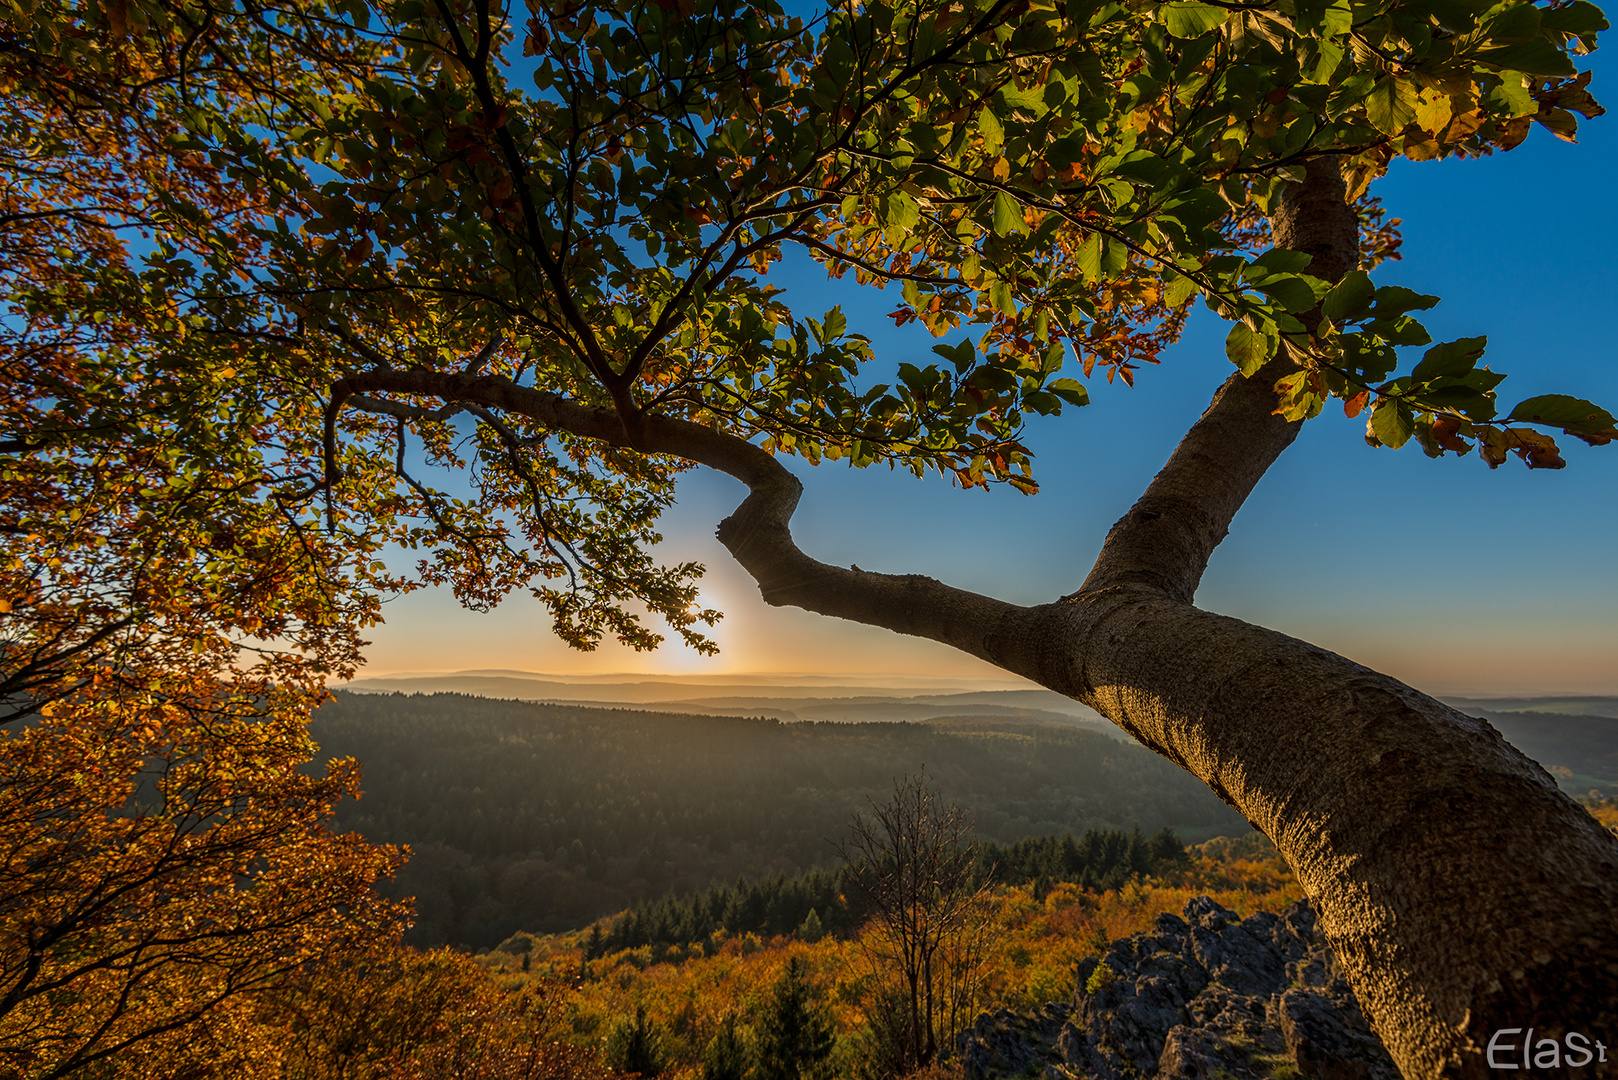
(727, 1055)
(635, 1045)
(914, 861)
(391, 1011)
(162, 638)
(795, 1031)
(163, 861)
(563, 296)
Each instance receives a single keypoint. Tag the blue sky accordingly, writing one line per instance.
(1455, 578)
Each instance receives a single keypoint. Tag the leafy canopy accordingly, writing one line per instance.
(285, 286)
(439, 202)
(166, 859)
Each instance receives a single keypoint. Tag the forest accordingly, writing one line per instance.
(309, 305)
(544, 818)
(829, 901)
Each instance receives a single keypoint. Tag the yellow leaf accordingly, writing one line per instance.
(1433, 110)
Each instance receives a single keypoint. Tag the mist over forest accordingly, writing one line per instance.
(545, 817)
(525, 816)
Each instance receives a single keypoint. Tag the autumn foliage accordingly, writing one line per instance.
(1032, 937)
(260, 262)
(165, 626)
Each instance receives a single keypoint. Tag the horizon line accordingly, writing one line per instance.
(878, 679)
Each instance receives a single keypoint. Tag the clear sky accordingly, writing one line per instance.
(1454, 578)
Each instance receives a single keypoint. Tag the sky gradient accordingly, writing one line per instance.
(1454, 578)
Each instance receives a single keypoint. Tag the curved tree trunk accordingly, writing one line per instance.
(1463, 893)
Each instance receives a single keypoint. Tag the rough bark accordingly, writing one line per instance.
(1464, 894)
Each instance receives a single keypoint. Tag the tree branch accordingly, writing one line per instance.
(1166, 539)
(758, 533)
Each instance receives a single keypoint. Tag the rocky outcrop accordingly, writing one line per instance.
(1195, 998)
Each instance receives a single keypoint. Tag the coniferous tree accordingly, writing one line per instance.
(795, 1034)
(636, 1045)
(727, 1055)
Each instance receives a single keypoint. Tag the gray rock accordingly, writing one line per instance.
(1194, 998)
(1188, 1056)
(1328, 1038)
(1007, 1043)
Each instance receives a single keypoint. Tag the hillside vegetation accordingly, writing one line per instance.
(539, 1007)
(1580, 749)
(829, 901)
(1036, 938)
(544, 817)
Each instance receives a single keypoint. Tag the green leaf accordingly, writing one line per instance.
(1088, 66)
(1089, 257)
(1196, 209)
(1349, 299)
(994, 135)
(1392, 423)
(1248, 349)
(1578, 17)
(1329, 19)
(1071, 391)
(1476, 405)
(1114, 257)
(1142, 165)
(1574, 415)
(963, 355)
(836, 324)
(1450, 358)
(1189, 20)
(1282, 261)
(1459, 15)
(1391, 104)
(900, 212)
(1293, 293)
(1512, 95)
(1178, 289)
(1396, 300)
(1512, 24)
(1066, 151)
(1400, 330)
(1536, 57)
(1051, 360)
(1000, 296)
(1424, 435)
(1367, 357)
(1007, 215)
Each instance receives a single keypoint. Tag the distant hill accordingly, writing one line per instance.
(1562, 704)
(1581, 751)
(1576, 738)
(547, 816)
(544, 817)
(873, 699)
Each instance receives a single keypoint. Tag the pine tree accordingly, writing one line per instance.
(727, 1055)
(796, 1032)
(636, 1045)
(811, 930)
